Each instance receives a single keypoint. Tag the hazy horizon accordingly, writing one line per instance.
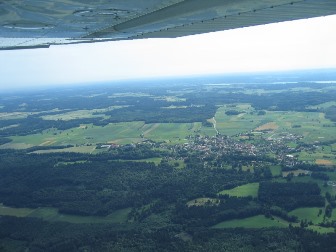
(293, 45)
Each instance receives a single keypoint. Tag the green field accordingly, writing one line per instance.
(311, 125)
(180, 163)
(51, 214)
(172, 132)
(319, 156)
(86, 137)
(259, 221)
(321, 230)
(323, 105)
(275, 170)
(309, 214)
(250, 189)
(235, 124)
(15, 115)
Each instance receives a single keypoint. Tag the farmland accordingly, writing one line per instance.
(178, 165)
(116, 133)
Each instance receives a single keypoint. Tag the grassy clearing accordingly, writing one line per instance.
(52, 214)
(323, 105)
(324, 189)
(181, 164)
(332, 175)
(18, 146)
(79, 149)
(15, 115)
(80, 114)
(248, 168)
(275, 170)
(250, 189)
(17, 212)
(259, 221)
(321, 230)
(309, 214)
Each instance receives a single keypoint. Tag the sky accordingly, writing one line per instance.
(302, 44)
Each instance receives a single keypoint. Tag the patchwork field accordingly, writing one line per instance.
(267, 126)
(324, 162)
(319, 156)
(313, 126)
(86, 137)
(234, 124)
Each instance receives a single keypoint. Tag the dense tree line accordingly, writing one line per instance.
(227, 208)
(97, 187)
(290, 195)
(4, 140)
(34, 125)
(36, 235)
(331, 113)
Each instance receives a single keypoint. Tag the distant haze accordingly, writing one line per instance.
(303, 44)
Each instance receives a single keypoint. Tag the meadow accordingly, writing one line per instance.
(259, 221)
(250, 189)
(309, 214)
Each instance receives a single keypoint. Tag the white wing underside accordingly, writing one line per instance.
(40, 23)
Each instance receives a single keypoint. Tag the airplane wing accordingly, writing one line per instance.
(39, 24)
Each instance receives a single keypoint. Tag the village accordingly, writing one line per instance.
(221, 150)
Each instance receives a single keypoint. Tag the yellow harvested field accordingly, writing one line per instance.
(323, 162)
(151, 128)
(47, 143)
(267, 126)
